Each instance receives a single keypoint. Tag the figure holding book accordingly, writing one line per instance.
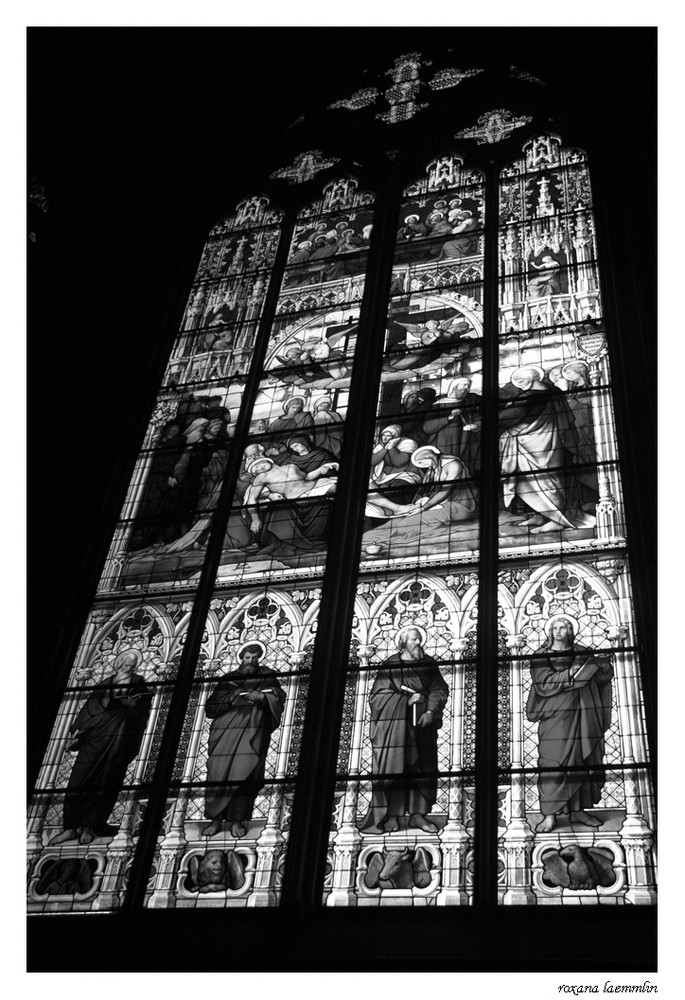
(570, 699)
(406, 701)
(245, 707)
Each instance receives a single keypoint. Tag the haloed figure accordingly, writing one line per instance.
(107, 735)
(570, 699)
(406, 701)
(245, 707)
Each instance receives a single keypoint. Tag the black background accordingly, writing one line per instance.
(143, 138)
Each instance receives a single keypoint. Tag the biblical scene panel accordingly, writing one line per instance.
(290, 399)
(175, 487)
(440, 233)
(101, 756)
(232, 785)
(573, 779)
(300, 343)
(329, 249)
(402, 823)
(423, 490)
(558, 453)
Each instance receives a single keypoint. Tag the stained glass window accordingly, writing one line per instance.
(491, 627)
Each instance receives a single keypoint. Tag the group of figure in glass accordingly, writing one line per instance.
(424, 465)
(427, 458)
(450, 224)
(570, 699)
(184, 475)
(328, 249)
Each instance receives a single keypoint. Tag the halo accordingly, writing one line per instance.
(252, 642)
(412, 217)
(420, 456)
(288, 403)
(570, 618)
(573, 366)
(422, 632)
(136, 652)
(528, 368)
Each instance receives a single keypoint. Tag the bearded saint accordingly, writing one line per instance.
(406, 700)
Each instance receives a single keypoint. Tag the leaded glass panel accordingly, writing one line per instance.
(577, 823)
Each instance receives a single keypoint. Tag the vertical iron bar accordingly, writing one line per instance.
(485, 881)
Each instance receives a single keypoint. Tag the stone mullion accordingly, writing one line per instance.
(485, 880)
(518, 837)
(348, 839)
(454, 838)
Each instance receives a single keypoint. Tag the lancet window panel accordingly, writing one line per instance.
(576, 776)
(233, 778)
(576, 864)
(403, 809)
(313, 338)
(118, 692)
(224, 871)
(86, 876)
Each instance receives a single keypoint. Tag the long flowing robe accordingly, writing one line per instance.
(572, 716)
(153, 517)
(328, 431)
(277, 429)
(110, 732)
(464, 242)
(301, 525)
(451, 436)
(239, 742)
(537, 442)
(405, 757)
